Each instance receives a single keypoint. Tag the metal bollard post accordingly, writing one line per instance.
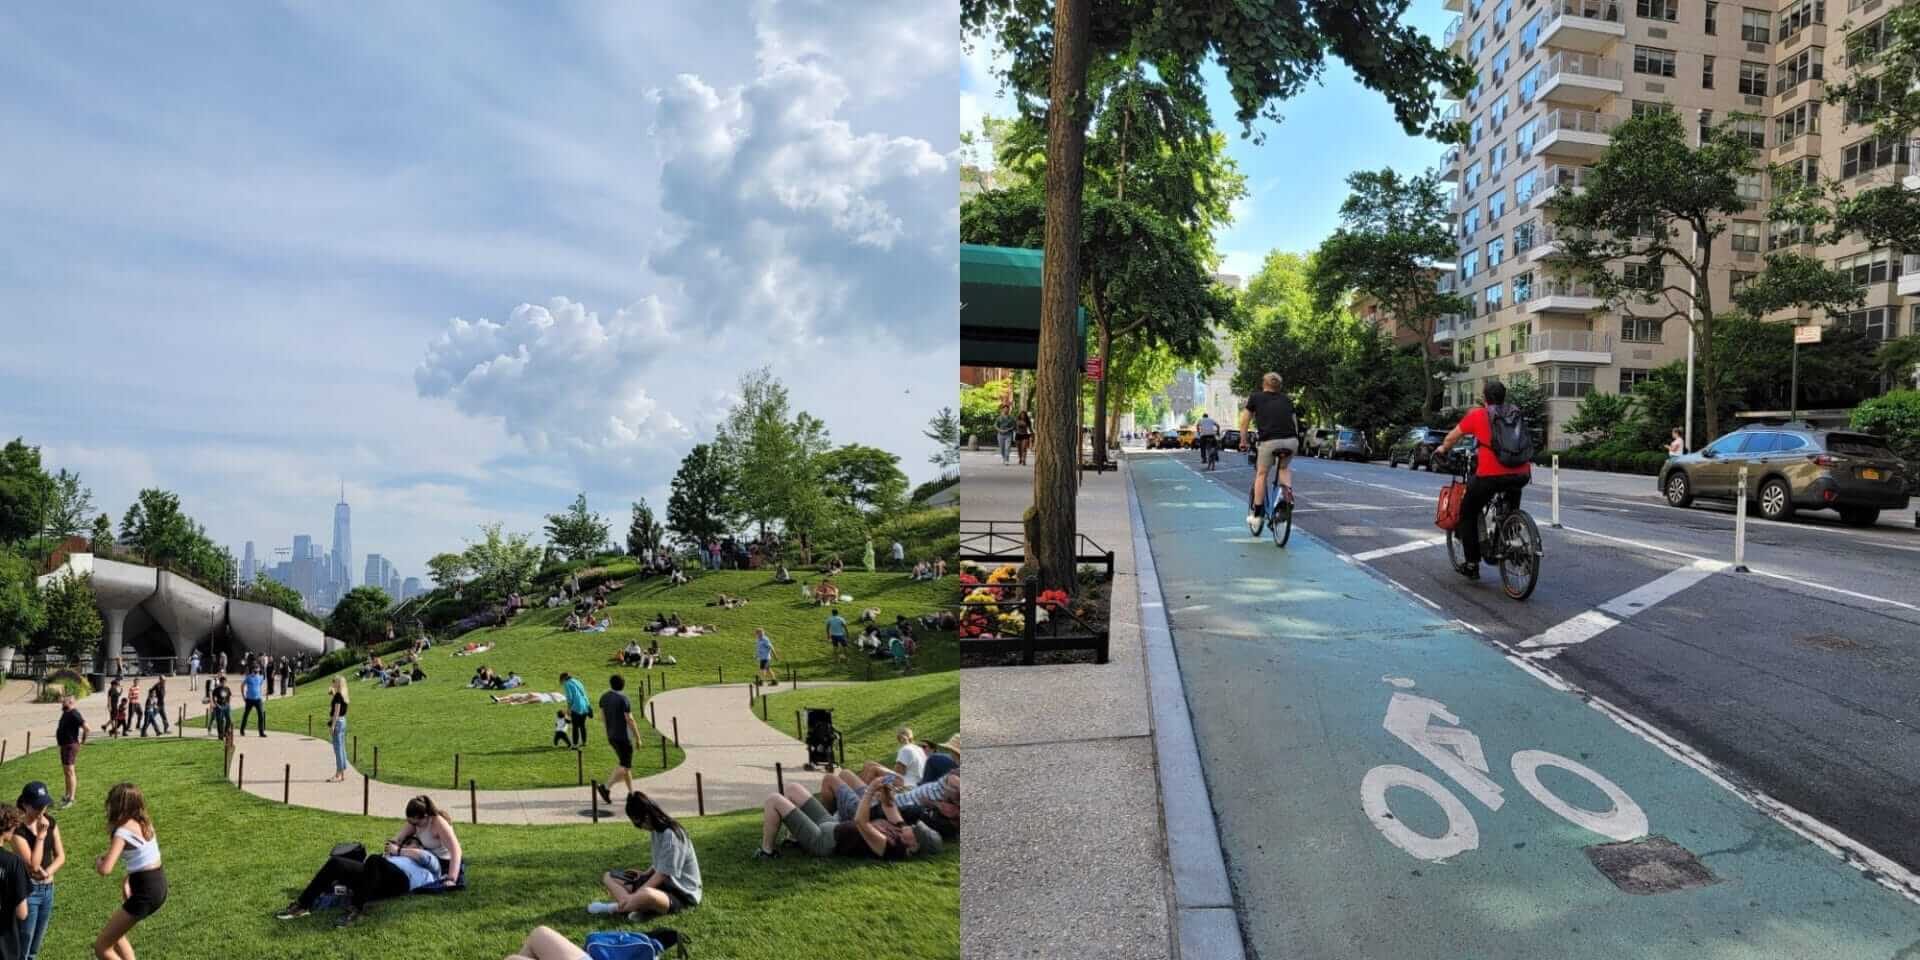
(356, 748)
(663, 680)
(653, 714)
(473, 798)
(241, 783)
(799, 732)
(593, 794)
(1740, 525)
(779, 778)
(700, 793)
(663, 753)
(763, 708)
(376, 761)
(456, 771)
(286, 785)
(366, 795)
(722, 673)
(676, 732)
(580, 765)
(309, 724)
(1556, 492)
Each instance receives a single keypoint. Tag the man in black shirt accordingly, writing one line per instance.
(622, 734)
(1279, 438)
(71, 733)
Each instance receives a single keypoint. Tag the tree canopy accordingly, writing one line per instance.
(700, 508)
(576, 531)
(645, 534)
(360, 617)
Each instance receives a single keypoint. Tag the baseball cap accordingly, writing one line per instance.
(35, 796)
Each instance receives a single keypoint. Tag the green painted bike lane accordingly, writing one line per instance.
(1347, 839)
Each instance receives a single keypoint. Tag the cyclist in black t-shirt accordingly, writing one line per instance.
(1279, 438)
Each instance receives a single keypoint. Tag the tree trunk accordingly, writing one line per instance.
(1100, 387)
(1053, 520)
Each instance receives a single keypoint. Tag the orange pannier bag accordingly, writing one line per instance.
(1446, 514)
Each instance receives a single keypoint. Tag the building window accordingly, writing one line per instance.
(1530, 83)
(1706, 127)
(1500, 62)
(1530, 33)
(1786, 233)
(1497, 160)
(1474, 132)
(1875, 266)
(1738, 280)
(1477, 45)
(1801, 15)
(1643, 107)
(1642, 276)
(1668, 10)
(1878, 323)
(1749, 187)
(1517, 337)
(1496, 206)
(1793, 124)
(1864, 42)
(1640, 329)
(1493, 344)
(1746, 236)
(1496, 250)
(1470, 222)
(1797, 69)
(1472, 181)
(1569, 382)
(1630, 378)
(1706, 73)
(1753, 130)
(1867, 106)
(1503, 12)
(1523, 186)
(1754, 25)
(1753, 78)
(1653, 61)
(1493, 298)
(1871, 154)
(1469, 265)
(1464, 354)
(1523, 287)
(1523, 138)
(1713, 17)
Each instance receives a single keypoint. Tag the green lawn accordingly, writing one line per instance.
(867, 715)
(232, 859)
(419, 728)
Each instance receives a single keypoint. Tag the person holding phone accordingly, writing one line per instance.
(818, 833)
(37, 842)
(670, 884)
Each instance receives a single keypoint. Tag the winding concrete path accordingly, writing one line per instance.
(724, 740)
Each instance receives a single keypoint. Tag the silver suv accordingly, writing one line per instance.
(1792, 467)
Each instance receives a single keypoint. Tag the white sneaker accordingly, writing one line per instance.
(1253, 524)
(600, 907)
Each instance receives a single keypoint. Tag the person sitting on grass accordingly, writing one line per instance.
(909, 762)
(871, 644)
(670, 884)
(651, 655)
(782, 575)
(897, 649)
(678, 578)
(573, 622)
(631, 654)
(922, 572)
(939, 567)
(826, 594)
(399, 870)
(429, 828)
(513, 680)
(814, 830)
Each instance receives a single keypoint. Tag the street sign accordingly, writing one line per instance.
(1808, 333)
(1095, 368)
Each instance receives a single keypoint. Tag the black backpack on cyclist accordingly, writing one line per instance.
(1512, 440)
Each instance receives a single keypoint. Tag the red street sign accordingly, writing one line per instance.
(1094, 368)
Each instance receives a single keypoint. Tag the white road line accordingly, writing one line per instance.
(1759, 573)
(1592, 623)
(1369, 556)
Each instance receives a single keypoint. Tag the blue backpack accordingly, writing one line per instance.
(623, 945)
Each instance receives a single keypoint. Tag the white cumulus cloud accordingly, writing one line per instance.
(558, 376)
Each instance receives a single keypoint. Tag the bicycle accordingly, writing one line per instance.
(1209, 453)
(1277, 517)
(1508, 536)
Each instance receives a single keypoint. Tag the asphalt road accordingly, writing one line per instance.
(1800, 678)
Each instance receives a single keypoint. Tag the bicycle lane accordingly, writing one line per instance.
(1296, 664)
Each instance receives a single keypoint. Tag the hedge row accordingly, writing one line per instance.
(1642, 462)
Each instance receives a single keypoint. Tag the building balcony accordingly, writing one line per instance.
(1547, 244)
(1589, 26)
(1909, 284)
(1569, 346)
(1446, 327)
(1454, 35)
(1581, 78)
(1578, 134)
(1562, 297)
(1812, 35)
(1450, 165)
(1555, 178)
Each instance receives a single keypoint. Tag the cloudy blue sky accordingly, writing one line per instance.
(469, 257)
(1296, 179)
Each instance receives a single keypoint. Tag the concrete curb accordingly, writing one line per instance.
(1204, 921)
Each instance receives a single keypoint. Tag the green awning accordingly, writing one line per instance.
(1000, 307)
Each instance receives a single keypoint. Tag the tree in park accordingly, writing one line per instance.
(645, 534)
(863, 479)
(701, 507)
(101, 537)
(360, 617)
(576, 531)
(1286, 331)
(24, 491)
(1393, 230)
(501, 563)
(770, 450)
(154, 527)
(68, 507)
(21, 613)
(447, 569)
(1268, 52)
(1645, 200)
(944, 430)
(73, 626)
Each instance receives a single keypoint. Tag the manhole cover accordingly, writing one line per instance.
(1827, 641)
(1650, 865)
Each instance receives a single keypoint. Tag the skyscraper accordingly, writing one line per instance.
(342, 544)
(376, 573)
(248, 565)
(409, 588)
(393, 583)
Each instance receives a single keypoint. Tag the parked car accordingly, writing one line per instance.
(1350, 445)
(1229, 440)
(1186, 438)
(1415, 448)
(1792, 467)
(1153, 440)
(1318, 442)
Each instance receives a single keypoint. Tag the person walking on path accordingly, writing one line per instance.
(133, 837)
(37, 843)
(837, 634)
(671, 882)
(71, 733)
(223, 663)
(622, 734)
(1023, 436)
(899, 555)
(250, 693)
(579, 708)
(153, 716)
(763, 651)
(1004, 426)
(337, 728)
(222, 698)
(114, 696)
(193, 670)
(1677, 445)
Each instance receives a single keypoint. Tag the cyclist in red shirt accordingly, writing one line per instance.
(1490, 476)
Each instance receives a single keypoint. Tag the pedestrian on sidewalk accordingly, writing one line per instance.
(133, 837)
(70, 736)
(133, 710)
(899, 555)
(763, 651)
(337, 728)
(1023, 435)
(1004, 426)
(223, 663)
(266, 673)
(114, 697)
(1677, 445)
(222, 698)
(193, 670)
(579, 708)
(250, 694)
(154, 714)
(622, 734)
(37, 842)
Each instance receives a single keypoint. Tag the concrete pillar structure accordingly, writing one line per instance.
(188, 612)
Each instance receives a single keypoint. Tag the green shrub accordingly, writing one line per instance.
(62, 683)
(1895, 416)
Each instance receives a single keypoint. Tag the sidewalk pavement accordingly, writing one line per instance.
(18, 717)
(724, 740)
(1075, 864)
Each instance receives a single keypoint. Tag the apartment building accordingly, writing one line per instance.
(1556, 77)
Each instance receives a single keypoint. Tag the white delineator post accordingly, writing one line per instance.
(1740, 525)
(1556, 492)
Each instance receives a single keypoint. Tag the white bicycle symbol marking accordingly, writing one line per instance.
(1457, 752)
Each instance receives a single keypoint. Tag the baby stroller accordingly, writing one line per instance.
(821, 740)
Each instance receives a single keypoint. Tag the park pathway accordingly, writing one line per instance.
(724, 740)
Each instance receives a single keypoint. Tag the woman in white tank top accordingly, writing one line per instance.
(134, 840)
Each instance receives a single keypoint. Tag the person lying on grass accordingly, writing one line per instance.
(935, 803)
(670, 884)
(814, 830)
(516, 698)
(397, 871)
(728, 602)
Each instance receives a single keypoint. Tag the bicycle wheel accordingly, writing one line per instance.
(1520, 551)
(1281, 526)
(1456, 551)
